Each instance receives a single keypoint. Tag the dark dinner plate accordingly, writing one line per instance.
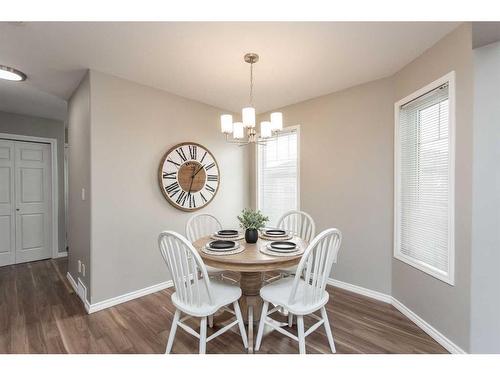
(275, 232)
(283, 245)
(227, 232)
(221, 245)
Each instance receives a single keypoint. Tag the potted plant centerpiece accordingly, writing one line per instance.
(252, 221)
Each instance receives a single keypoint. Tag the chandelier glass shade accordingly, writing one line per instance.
(248, 117)
(238, 130)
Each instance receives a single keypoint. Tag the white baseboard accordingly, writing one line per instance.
(91, 308)
(62, 254)
(360, 290)
(128, 296)
(427, 328)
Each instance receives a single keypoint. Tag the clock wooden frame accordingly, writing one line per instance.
(161, 182)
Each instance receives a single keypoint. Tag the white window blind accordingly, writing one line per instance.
(278, 175)
(423, 183)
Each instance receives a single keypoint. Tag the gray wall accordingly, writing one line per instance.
(445, 307)
(79, 234)
(485, 295)
(41, 127)
(132, 127)
(346, 162)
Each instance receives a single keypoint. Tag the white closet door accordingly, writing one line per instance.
(33, 201)
(7, 204)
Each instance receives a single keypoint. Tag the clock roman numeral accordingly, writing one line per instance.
(203, 197)
(180, 197)
(169, 175)
(205, 154)
(210, 189)
(170, 188)
(181, 153)
(210, 166)
(174, 193)
(212, 177)
(173, 162)
(193, 151)
(192, 201)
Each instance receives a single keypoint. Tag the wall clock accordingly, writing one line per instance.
(189, 176)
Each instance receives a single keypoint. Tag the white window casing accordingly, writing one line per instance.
(424, 179)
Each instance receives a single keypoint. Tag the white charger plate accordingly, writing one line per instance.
(238, 237)
(274, 238)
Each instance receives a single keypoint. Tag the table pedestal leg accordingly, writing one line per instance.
(250, 302)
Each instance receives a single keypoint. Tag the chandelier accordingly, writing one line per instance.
(237, 129)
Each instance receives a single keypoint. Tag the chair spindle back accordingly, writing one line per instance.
(300, 223)
(316, 265)
(185, 265)
(201, 225)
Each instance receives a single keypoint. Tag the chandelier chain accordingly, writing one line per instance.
(251, 83)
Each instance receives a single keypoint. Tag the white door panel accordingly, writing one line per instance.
(5, 178)
(30, 154)
(6, 243)
(31, 185)
(7, 203)
(33, 201)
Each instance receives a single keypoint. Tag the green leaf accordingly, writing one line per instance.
(250, 219)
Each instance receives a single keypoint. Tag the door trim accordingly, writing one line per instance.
(55, 196)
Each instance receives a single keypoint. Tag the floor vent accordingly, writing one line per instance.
(81, 290)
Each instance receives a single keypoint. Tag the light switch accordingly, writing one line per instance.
(83, 194)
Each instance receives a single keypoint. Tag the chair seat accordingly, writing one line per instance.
(222, 293)
(278, 294)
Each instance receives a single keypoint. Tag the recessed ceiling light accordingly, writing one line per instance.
(11, 74)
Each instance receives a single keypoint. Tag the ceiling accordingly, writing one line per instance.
(204, 61)
(484, 33)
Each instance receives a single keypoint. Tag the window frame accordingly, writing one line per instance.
(447, 277)
(287, 129)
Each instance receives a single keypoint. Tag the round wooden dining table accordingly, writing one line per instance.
(251, 264)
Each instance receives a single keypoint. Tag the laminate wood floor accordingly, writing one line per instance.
(40, 313)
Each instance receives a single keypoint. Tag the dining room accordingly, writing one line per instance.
(251, 190)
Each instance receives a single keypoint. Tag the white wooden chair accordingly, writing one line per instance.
(302, 225)
(304, 295)
(201, 225)
(196, 297)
